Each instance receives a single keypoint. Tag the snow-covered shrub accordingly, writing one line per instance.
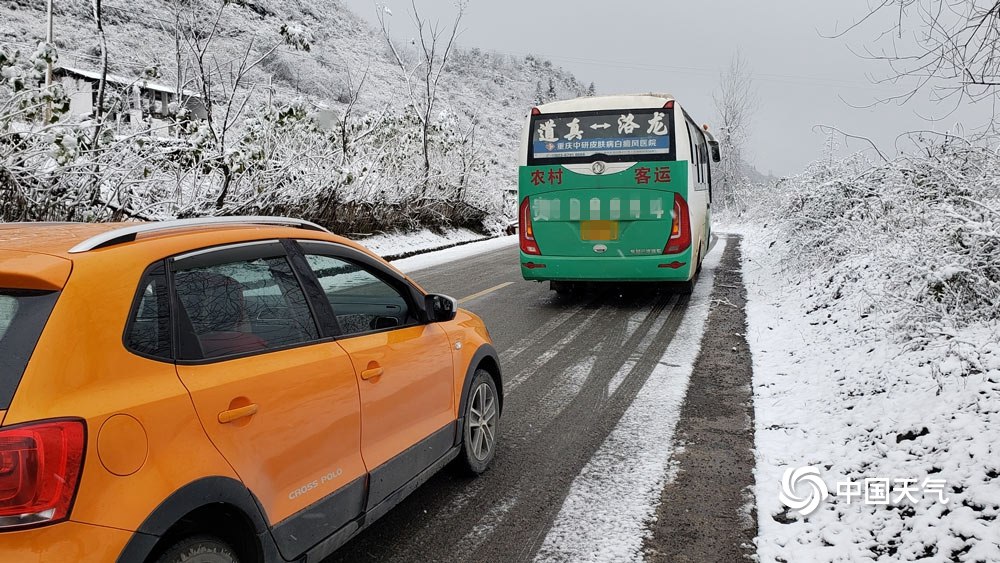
(873, 320)
(916, 239)
(241, 160)
(297, 35)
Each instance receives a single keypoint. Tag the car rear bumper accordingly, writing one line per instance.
(674, 267)
(65, 541)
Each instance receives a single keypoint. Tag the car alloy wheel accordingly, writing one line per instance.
(483, 421)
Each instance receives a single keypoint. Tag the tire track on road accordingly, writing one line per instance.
(559, 451)
(543, 340)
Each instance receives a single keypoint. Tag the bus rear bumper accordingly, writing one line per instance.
(675, 267)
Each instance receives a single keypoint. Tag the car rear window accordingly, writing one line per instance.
(23, 315)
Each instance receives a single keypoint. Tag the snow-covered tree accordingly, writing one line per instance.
(735, 102)
(945, 47)
(435, 48)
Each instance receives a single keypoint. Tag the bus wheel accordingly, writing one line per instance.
(561, 287)
(684, 288)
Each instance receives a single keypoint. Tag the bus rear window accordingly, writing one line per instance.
(23, 315)
(607, 135)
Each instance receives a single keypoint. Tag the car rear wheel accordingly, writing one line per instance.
(482, 424)
(199, 549)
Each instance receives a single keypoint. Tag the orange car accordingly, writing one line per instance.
(237, 389)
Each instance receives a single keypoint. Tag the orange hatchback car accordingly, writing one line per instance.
(248, 389)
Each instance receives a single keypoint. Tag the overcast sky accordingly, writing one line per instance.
(803, 79)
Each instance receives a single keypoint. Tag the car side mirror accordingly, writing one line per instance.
(716, 155)
(441, 308)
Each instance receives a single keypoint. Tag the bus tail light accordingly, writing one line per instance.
(525, 230)
(680, 228)
(40, 465)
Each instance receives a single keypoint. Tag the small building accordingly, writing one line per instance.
(148, 102)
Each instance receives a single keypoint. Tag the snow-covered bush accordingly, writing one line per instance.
(277, 161)
(872, 318)
(916, 240)
(244, 159)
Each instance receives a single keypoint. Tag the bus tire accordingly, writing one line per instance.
(561, 287)
(686, 287)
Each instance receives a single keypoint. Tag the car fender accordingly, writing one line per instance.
(485, 351)
(194, 495)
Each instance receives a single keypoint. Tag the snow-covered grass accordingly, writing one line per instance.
(606, 513)
(430, 259)
(872, 320)
(418, 242)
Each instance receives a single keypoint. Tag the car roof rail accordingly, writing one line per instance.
(129, 234)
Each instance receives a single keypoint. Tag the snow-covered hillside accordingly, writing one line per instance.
(475, 125)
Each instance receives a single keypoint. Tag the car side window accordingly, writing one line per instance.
(148, 330)
(242, 307)
(361, 300)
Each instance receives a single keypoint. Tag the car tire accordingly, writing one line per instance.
(199, 549)
(482, 424)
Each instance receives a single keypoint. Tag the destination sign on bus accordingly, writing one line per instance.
(619, 133)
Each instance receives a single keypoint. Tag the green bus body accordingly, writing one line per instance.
(638, 202)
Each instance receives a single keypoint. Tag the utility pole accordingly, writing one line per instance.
(48, 72)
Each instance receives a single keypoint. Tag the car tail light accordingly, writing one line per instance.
(669, 105)
(680, 228)
(526, 232)
(40, 465)
(536, 111)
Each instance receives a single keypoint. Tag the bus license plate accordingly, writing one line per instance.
(599, 230)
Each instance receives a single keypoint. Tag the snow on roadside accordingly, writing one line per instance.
(395, 244)
(604, 517)
(430, 259)
(832, 391)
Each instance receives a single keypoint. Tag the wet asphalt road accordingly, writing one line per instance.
(554, 419)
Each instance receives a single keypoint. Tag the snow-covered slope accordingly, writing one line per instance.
(491, 91)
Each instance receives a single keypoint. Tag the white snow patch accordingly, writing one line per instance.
(394, 244)
(566, 389)
(640, 350)
(622, 373)
(430, 259)
(484, 528)
(634, 322)
(605, 515)
(539, 334)
(834, 390)
(552, 352)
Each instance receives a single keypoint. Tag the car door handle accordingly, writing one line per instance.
(225, 417)
(372, 371)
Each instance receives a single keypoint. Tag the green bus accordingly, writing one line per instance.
(614, 189)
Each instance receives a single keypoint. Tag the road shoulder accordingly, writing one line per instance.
(706, 512)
